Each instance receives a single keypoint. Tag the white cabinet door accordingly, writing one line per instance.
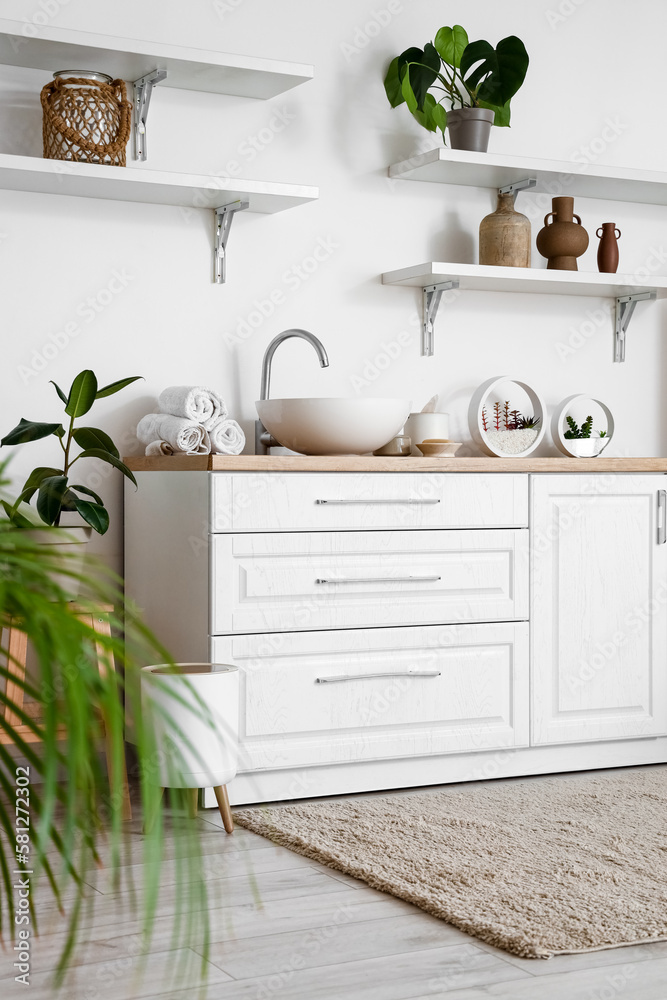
(367, 694)
(598, 608)
(350, 579)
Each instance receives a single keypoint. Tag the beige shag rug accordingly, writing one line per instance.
(539, 868)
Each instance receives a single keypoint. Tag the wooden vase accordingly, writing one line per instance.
(504, 236)
(562, 240)
(608, 248)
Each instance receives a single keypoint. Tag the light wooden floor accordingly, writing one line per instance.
(286, 928)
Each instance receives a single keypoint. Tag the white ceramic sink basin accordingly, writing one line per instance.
(333, 426)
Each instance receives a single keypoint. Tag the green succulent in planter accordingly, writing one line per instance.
(55, 492)
(574, 432)
(466, 75)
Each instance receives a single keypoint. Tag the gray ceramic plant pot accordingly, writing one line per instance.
(470, 128)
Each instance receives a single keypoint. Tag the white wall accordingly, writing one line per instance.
(171, 324)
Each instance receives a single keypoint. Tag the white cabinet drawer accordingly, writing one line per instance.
(358, 501)
(348, 579)
(321, 697)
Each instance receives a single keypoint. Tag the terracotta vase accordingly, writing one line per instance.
(504, 236)
(562, 240)
(608, 248)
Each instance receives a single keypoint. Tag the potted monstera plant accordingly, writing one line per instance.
(56, 492)
(473, 83)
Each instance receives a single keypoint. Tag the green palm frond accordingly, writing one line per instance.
(75, 807)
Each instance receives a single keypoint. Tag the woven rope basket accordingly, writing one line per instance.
(86, 120)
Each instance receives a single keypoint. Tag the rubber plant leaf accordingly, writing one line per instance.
(61, 394)
(92, 437)
(50, 498)
(105, 456)
(29, 430)
(108, 390)
(93, 514)
(18, 520)
(89, 493)
(34, 481)
(82, 394)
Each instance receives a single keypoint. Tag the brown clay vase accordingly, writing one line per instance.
(562, 240)
(608, 248)
(504, 236)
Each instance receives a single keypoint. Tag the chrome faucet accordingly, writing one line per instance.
(263, 439)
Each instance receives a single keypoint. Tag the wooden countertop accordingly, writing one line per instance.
(369, 463)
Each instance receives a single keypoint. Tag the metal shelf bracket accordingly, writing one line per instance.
(431, 300)
(625, 306)
(524, 185)
(143, 88)
(223, 223)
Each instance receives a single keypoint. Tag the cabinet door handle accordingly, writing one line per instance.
(410, 502)
(662, 517)
(380, 579)
(334, 678)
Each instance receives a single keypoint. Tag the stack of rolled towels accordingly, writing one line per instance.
(192, 420)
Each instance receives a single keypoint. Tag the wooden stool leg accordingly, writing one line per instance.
(223, 805)
(105, 662)
(193, 801)
(17, 648)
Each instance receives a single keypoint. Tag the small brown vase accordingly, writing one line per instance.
(504, 236)
(608, 248)
(563, 240)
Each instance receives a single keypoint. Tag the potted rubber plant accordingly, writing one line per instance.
(56, 493)
(473, 82)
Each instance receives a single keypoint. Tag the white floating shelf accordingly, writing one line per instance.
(492, 170)
(56, 48)
(435, 278)
(476, 277)
(156, 187)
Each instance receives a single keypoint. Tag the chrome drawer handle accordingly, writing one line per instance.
(334, 678)
(381, 579)
(411, 502)
(662, 517)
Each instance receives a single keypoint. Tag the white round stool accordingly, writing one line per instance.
(195, 715)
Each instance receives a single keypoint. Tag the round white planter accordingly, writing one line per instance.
(195, 714)
(579, 447)
(480, 401)
(66, 546)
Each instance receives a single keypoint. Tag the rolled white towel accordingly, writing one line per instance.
(182, 435)
(193, 402)
(227, 438)
(159, 448)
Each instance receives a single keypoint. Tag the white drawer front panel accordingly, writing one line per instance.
(347, 579)
(356, 501)
(321, 697)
